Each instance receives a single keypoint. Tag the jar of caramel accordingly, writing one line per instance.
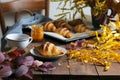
(37, 33)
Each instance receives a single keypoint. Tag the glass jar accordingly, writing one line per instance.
(37, 33)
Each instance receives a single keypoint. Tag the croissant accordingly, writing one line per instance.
(48, 49)
(49, 26)
(75, 22)
(81, 28)
(62, 24)
(64, 32)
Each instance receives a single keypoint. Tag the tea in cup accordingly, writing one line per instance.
(18, 40)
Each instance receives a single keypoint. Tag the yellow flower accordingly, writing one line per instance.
(100, 4)
(115, 24)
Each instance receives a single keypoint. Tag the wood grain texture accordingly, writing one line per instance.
(77, 68)
(113, 71)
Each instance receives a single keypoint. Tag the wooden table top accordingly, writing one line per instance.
(76, 70)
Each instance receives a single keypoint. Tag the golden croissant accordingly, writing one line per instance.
(48, 49)
(64, 32)
(75, 22)
(62, 24)
(49, 26)
(81, 28)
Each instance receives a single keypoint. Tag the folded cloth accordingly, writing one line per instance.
(17, 27)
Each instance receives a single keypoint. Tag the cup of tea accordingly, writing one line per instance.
(18, 40)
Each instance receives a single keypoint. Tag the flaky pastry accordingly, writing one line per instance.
(64, 32)
(81, 28)
(49, 26)
(48, 49)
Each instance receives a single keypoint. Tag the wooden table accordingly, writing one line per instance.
(76, 70)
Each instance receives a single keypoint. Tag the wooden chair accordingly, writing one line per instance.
(18, 6)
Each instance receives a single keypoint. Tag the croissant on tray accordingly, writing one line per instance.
(75, 22)
(49, 26)
(62, 24)
(64, 32)
(81, 28)
(48, 49)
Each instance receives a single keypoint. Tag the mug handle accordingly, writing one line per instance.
(30, 39)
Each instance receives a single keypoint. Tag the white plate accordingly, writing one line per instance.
(35, 53)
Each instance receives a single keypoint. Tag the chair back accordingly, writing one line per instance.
(19, 6)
